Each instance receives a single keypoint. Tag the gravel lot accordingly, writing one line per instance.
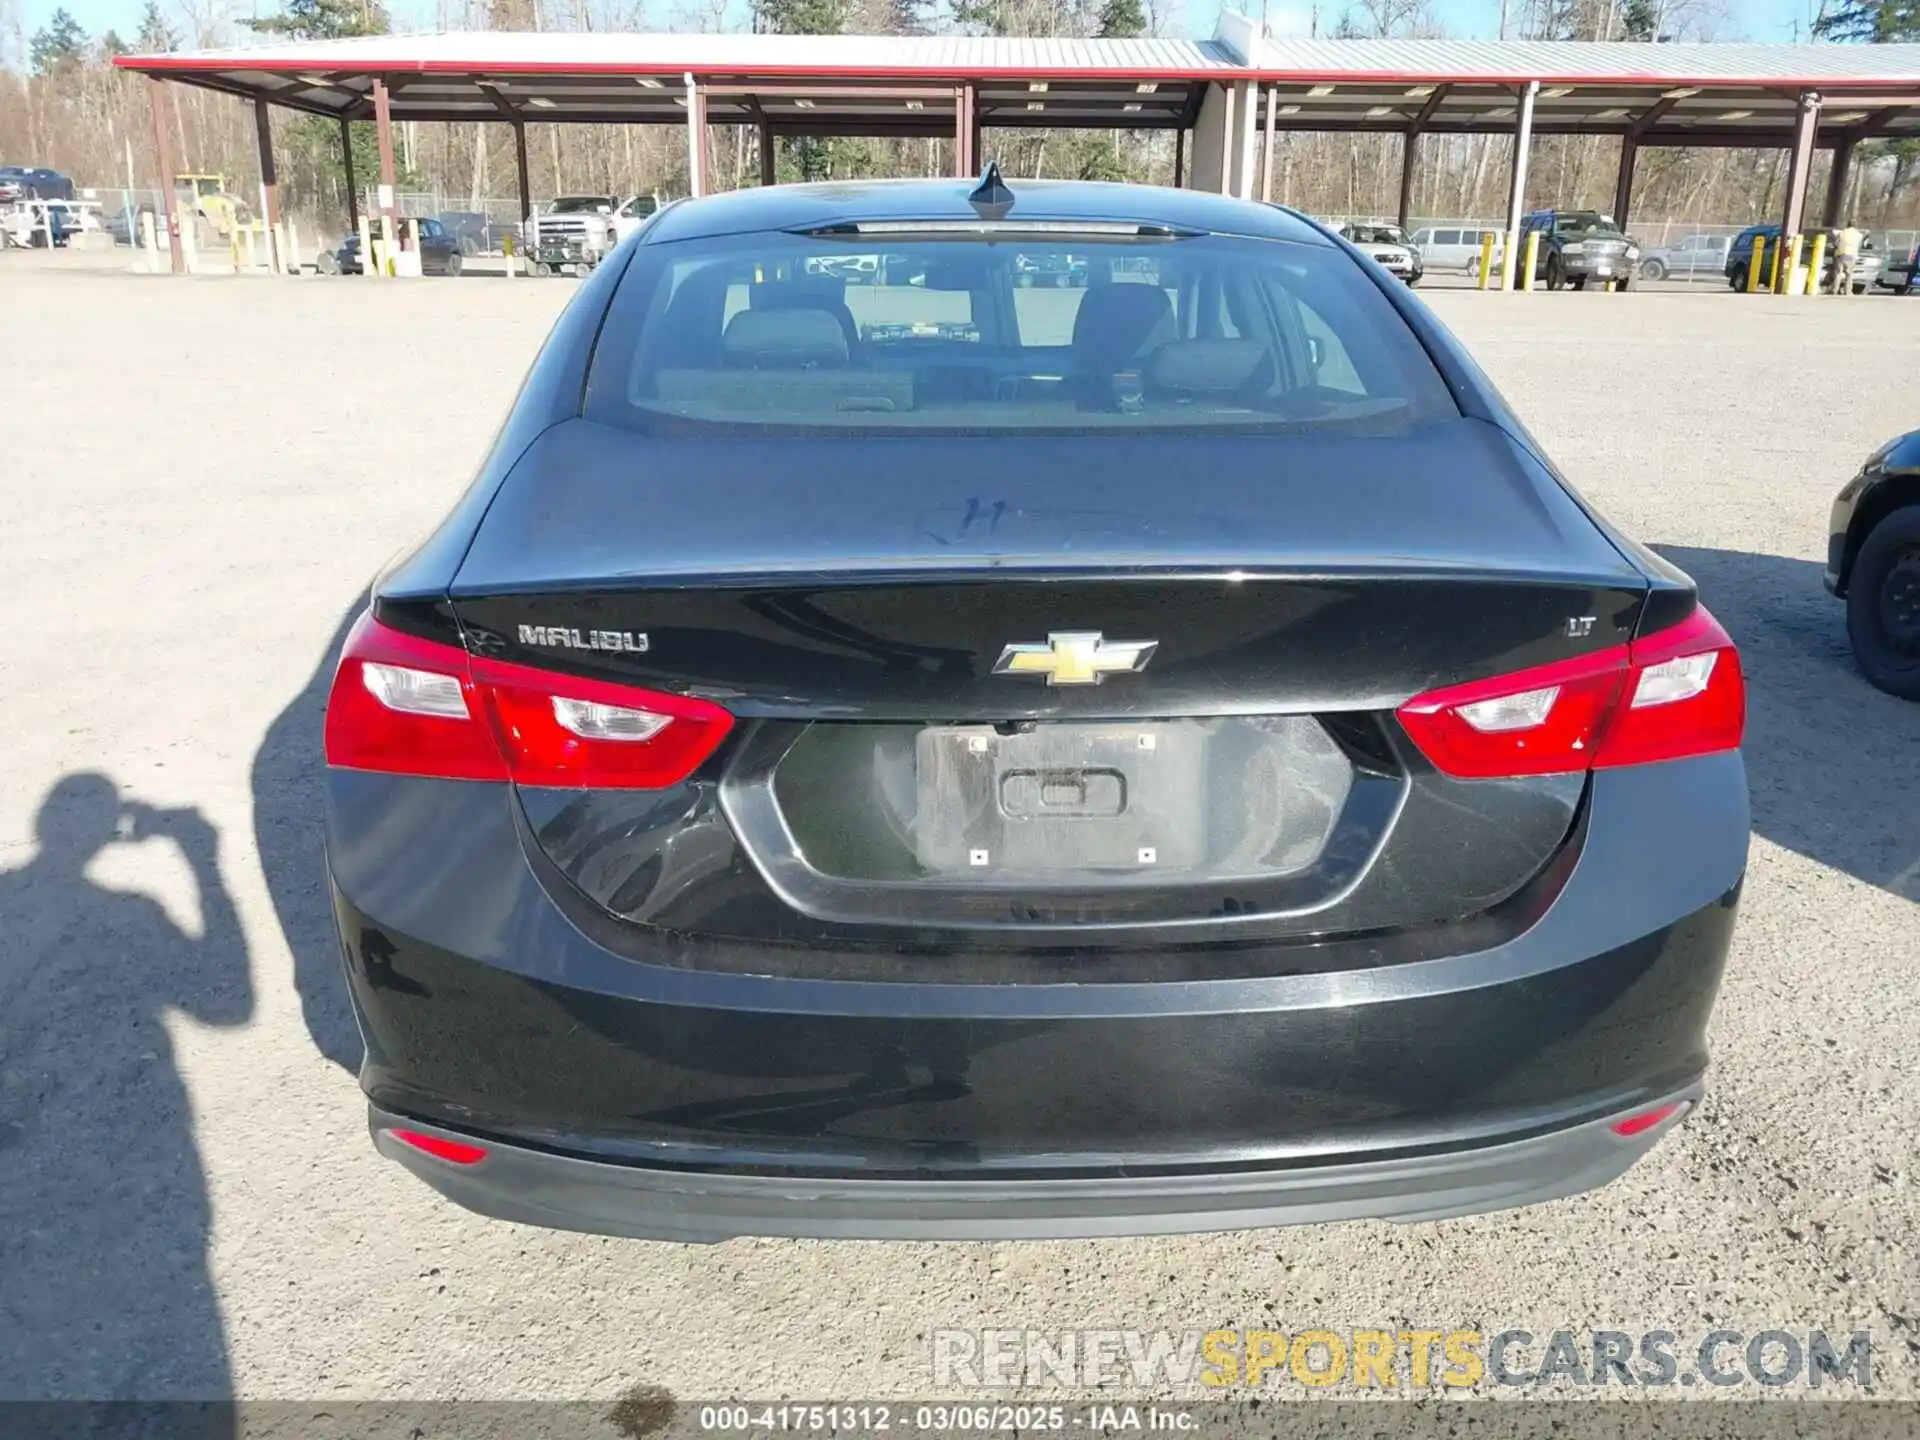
(199, 478)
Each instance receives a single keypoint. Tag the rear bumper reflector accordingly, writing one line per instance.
(454, 1152)
(1645, 1120)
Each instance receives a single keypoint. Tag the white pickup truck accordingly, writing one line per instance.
(577, 232)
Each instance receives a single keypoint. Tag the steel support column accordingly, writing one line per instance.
(1409, 155)
(353, 184)
(769, 157)
(1410, 152)
(269, 181)
(1838, 178)
(162, 105)
(1517, 193)
(1179, 156)
(1623, 183)
(1799, 163)
(1266, 155)
(383, 134)
(520, 170)
(1227, 148)
(696, 138)
(976, 150)
(964, 160)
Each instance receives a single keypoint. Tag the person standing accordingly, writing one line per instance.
(1846, 259)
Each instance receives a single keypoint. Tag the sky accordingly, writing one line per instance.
(1745, 19)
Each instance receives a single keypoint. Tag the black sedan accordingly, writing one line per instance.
(886, 760)
(439, 250)
(1873, 563)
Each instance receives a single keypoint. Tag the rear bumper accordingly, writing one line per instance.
(565, 1192)
(675, 1089)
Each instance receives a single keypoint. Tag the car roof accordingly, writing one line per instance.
(791, 207)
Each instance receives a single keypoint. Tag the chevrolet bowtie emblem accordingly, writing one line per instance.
(1076, 657)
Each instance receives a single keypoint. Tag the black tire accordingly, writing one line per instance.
(328, 263)
(469, 245)
(1883, 604)
(1653, 270)
(1555, 278)
(1412, 280)
(452, 265)
(540, 268)
(1736, 280)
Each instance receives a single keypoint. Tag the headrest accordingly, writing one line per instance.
(1119, 322)
(1207, 367)
(785, 340)
(809, 294)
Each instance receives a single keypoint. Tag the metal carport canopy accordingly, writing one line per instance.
(1682, 94)
(1667, 94)
(841, 84)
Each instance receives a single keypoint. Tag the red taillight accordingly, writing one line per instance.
(414, 707)
(407, 706)
(1687, 696)
(557, 730)
(1665, 696)
(452, 1151)
(1644, 1121)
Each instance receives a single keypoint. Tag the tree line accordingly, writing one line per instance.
(62, 104)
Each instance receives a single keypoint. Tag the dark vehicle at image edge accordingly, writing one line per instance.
(914, 758)
(1873, 563)
(439, 250)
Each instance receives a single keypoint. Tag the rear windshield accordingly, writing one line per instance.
(800, 334)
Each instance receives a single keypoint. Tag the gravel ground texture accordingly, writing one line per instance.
(199, 479)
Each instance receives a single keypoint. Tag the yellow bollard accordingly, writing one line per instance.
(506, 249)
(1789, 262)
(233, 249)
(1486, 258)
(1755, 258)
(1773, 270)
(1531, 257)
(1815, 256)
(149, 239)
(366, 247)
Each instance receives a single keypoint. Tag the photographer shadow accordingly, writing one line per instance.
(104, 1212)
(288, 801)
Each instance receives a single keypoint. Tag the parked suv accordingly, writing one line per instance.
(1580, 245)
(1866, 268)
(1694, 257)
(1388, 247)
